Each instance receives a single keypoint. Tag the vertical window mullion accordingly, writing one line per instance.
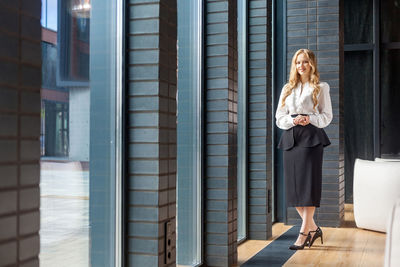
(119, 130)
(376, 78)
(242, 120)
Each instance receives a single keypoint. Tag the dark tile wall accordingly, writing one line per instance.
(259, 119)
(151, 104)
(20, 79)
(220, 248)
(315, 25)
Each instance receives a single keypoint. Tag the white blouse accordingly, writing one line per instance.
(301, 103)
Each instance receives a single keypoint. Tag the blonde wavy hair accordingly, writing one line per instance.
(294, 77)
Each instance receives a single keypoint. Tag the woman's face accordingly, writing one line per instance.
(303, 65)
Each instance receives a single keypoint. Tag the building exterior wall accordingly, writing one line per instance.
(315, 25)
(151, 131)
(20, 81)
(79, 124)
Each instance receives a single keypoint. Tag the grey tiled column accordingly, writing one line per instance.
(315, 25)
(220, 246)
(260, 126)
(20, 82)
(151, 74)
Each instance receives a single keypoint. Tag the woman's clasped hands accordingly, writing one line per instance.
(301, 120)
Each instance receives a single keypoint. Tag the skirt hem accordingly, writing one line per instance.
(303, 205)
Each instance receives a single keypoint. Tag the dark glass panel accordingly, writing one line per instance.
(49, 67)
(358, 112)
(390, 21)
(358, 21)
(390, 102)
(56, 129)
(73, 38)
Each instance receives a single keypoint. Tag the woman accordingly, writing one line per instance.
(303, 111)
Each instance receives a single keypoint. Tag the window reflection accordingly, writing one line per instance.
(49, 14)
(74, 36)
(64, 140)
(390, 99)
(390, 23)
(358, 25)
(78, 133)
(358, 95)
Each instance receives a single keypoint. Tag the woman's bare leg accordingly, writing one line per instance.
(309, 217)
(308, 224)
(300, 210)
(301, 238)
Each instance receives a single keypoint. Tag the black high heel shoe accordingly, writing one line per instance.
(296, 247)
(318, 233)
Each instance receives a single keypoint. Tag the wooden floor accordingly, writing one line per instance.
(344, 246)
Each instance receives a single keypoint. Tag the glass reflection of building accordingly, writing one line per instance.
(65, 86)
(78, 119)
(55, 99)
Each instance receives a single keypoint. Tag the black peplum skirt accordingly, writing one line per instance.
(303, 148)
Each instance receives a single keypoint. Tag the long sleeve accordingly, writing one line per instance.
(283, 119)
(324, 107)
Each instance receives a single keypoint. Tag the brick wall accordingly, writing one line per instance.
(220, 246)
(260, 127)
(20, 80)
(151, 75)
(315, 25)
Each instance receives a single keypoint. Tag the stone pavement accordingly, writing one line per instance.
(64, 234)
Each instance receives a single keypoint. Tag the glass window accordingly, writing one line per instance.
(358, 110)
(51, 17)
(189, 133)
(55, 107)
(49, 67)
(390, 23)
(55, 137)
(390, 99)
(49, 14)
(81, 134)
(358, 26)
(242, 120)
(74, 44)
(44, 14)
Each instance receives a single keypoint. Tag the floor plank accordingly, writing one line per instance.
(249, 248)
(344, 246)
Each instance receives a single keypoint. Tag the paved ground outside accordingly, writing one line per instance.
(64, 209)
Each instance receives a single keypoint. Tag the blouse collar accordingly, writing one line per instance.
(305, 84)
